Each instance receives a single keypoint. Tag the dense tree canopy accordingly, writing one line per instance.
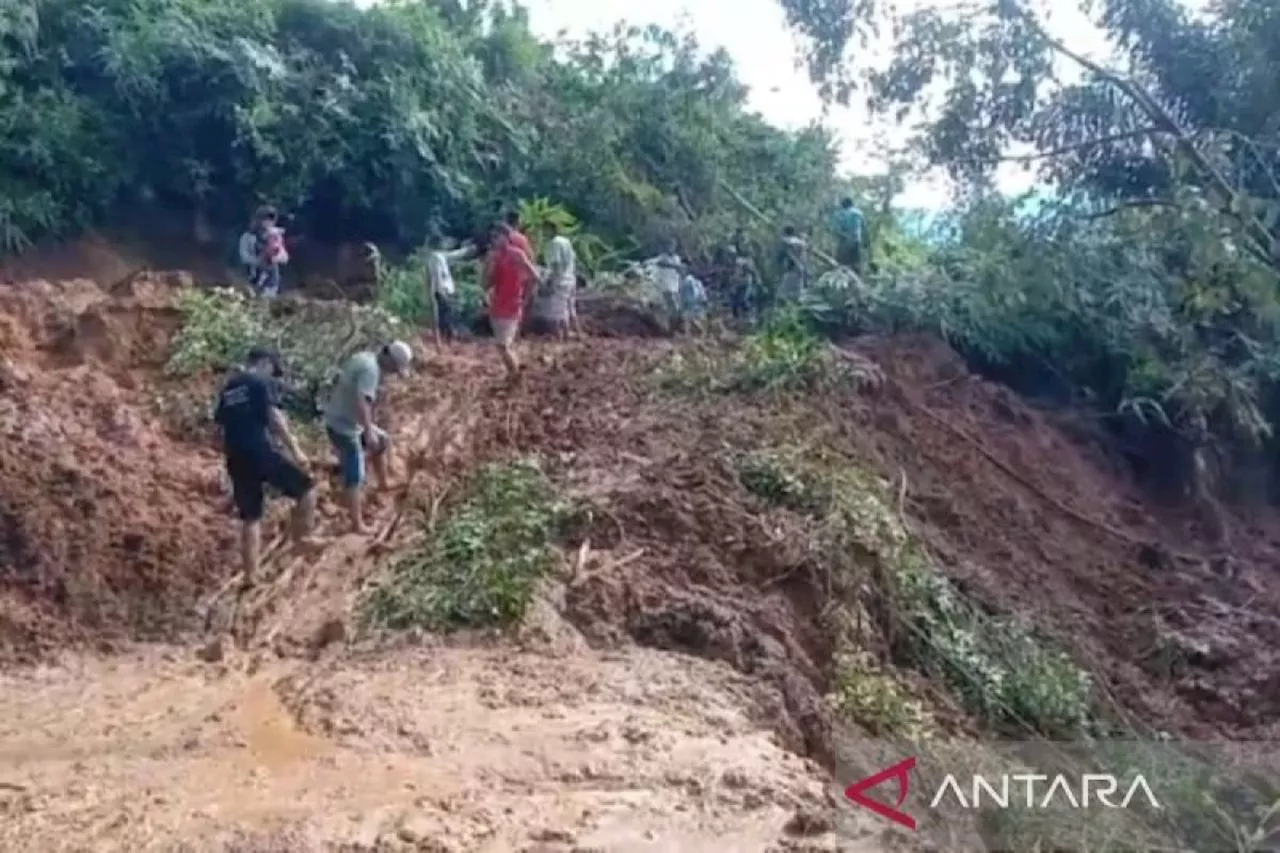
(1150, 286)
(375, 123)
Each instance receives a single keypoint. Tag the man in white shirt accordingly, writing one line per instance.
(561, 282)
(440, 280)
(669, 272)
(793, 264)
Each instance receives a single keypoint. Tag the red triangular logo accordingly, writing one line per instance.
(900, 771)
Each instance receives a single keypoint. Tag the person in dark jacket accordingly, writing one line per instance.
(248, 415)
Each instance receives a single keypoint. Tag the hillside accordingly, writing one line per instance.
(679, 677)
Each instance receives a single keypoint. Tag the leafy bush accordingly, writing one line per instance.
(784, 354)
(997, 669)
(877, 701)
(482, 566)
(220, 325)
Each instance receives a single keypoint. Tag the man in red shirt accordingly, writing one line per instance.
(509, 273)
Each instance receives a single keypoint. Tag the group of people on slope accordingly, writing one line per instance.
(737, 275)
(248, 410)
(513, 281)
(684, 296)
(248, 414)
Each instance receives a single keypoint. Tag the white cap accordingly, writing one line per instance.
(400, 355)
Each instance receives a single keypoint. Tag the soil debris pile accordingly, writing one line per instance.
(1033, 521)
(109, 528)
(757, 506)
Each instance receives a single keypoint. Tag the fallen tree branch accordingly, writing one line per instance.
(1229, 202)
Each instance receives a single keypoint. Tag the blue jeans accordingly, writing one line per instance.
(350, 450)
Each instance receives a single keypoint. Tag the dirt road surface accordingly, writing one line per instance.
(441, 749)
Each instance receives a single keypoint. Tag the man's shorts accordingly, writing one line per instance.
(351, 452)
(251, 473)
(504, 329)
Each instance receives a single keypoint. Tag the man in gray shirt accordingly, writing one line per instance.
(348, 420)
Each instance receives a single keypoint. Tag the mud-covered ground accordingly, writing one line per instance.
(662, 698)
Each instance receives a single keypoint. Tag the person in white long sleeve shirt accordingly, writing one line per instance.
(443, 290)
(561, 282)
(669, 272)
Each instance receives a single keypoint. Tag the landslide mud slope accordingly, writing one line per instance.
(108, 530)
(296, 732)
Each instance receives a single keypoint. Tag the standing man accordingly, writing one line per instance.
(562, 282)
(512, 280)
(440, 280)
(792, 263)
(850, 228)
(249, 252)
(348, 421)
(693, 303)
(744, 292)
(669, 271)
(248, 413)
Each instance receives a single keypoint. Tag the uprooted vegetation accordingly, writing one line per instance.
(1001, 673)
(885, 592)
(783, 354)
(221, 324)
(480, 565)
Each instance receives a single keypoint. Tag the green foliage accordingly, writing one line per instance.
(1151, 314)
(1150, 286)
(481, 566)
(379, 124)
(994, 666)
(404, 291)
(783, 354)
(877, 701)
(220, 325)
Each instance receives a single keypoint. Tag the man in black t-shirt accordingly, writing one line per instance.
(248, 413)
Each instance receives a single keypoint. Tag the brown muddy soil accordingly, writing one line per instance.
(1024, 517)
(114, 528)
(1037, 523)
(108, 529)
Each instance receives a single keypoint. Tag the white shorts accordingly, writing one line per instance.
(560, 305)
(504, 330)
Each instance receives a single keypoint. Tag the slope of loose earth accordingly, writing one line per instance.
(296, 730)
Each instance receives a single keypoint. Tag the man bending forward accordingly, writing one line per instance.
(248, 413)
(348, 420)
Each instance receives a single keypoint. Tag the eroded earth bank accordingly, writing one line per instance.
(682, 670)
